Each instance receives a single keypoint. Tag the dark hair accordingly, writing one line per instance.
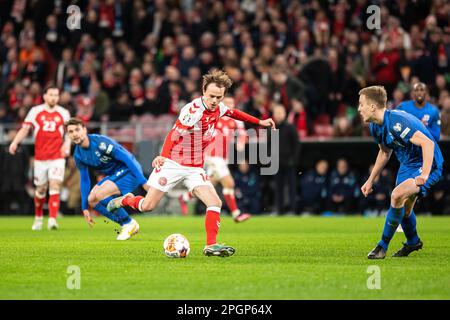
(74, 122)
(49, 87)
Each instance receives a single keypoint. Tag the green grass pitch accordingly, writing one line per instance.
(276, 258)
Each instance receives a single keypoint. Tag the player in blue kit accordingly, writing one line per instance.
(123, 175)
(420, 165)
(423, 110)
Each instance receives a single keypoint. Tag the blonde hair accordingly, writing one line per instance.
(376, 94)
(218, 77)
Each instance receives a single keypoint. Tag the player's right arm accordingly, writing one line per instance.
(85, 186)
(22, 134)
(384, 154)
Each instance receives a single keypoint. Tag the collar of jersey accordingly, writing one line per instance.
(204, 105)
(48, 109)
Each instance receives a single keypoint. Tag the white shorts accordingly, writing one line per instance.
(45, 170)
(171, 173)
(216, 167)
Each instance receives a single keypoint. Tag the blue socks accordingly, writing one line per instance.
(393, 219)
(409, 228)
(120, 215)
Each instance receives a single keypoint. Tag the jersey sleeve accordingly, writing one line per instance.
(65, 115)
(402, 128)
(190, 114)
(242, 116)
(30, 119)
(400, 106)
(435, 125)
(85, 183)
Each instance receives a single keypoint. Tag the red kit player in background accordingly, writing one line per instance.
(50, 150)
(182, 158)
(216, 161)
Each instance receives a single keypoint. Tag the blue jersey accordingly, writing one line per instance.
(395, 133)
(429, 115)
(107, 156)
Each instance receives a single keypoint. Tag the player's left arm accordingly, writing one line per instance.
(243, 116)
(427, 145)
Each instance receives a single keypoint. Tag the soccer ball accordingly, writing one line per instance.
(176, 246)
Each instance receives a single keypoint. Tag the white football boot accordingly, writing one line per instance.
(37, 225)
(128, 230)
(52, 225)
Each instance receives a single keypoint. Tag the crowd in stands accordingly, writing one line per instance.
(140, 61)
(131, 58)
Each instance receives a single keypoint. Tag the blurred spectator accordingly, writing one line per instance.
(286, 90)
(342, 126)
(376, 202)
(438, 202)
(71, 189)
(343, 188)
(5, 116)
(445, 117)
(385, 65)
(314, 188)
(122, 108)
(14, 173)
(289, 149)
(248, 190)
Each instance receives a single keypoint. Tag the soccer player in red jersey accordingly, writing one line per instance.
(216, 161)
(51, 149)
(182, 157)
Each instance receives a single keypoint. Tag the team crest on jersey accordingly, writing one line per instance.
(186, 118)
(102, 146)
(398, 127)
(162, 181)
(426, 118)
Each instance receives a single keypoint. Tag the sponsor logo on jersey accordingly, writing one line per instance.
(110, 147)
(405, 132)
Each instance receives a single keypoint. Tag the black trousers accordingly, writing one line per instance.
(286, 177)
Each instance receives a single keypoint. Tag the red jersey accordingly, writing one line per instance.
(48, 128)
(194, 130)
(226, 129)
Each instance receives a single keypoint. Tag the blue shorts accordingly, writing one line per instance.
(407, 173)
(123, 179)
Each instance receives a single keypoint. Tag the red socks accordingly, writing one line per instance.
(133, 202)
(212, 224)
(39, 206)
(230, 199)
(53, 205)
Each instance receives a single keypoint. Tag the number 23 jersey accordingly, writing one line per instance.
(48, 129)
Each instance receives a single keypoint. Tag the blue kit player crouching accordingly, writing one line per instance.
(123, 175)
(420, 160)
